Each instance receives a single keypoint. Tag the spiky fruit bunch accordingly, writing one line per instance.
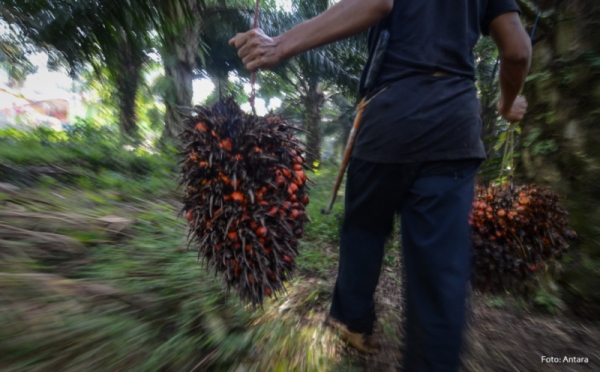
(245, 196)
(515, 233)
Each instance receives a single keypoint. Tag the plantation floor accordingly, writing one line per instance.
(101, 281)
(504, 333)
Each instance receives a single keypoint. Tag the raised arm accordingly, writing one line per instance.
(344, 19)
(514, 46)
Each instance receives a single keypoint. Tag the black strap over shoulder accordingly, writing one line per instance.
(375, 52)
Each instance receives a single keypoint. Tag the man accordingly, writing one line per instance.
(416, 154)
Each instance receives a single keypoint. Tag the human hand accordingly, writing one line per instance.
(516, 112)
(257, 50)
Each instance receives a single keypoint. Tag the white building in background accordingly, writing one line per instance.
(21, 112)
(44, 99)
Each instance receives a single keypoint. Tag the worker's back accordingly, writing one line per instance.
(430, 110)
(434, 35)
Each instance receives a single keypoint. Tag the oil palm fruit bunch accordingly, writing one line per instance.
(245, 196)
(515, 233)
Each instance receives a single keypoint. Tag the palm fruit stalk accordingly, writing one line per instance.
(515, 234)
(245, 193)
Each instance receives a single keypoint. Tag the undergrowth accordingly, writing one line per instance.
(95, 274)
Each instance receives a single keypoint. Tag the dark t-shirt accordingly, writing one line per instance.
(420, 117)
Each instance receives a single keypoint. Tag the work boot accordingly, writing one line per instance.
(360, 341)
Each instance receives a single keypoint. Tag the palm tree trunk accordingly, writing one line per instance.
(313, 102)
(127, 80)
(179, 94)
(127, 89)
(179, 52)
(561, 138)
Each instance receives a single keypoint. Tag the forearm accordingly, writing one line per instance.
(514, 47)
(513, 73)
(344, 19)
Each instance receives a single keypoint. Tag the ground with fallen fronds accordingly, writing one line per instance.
(101, 279)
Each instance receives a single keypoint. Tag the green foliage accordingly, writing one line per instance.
(87, 155)
(14, 53)
(314, 260)
(324, 227)
(176, 311)
(544, 147)
(547, 301)
(137, 301)
(496, 302)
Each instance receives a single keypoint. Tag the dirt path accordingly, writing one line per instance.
(501, 337)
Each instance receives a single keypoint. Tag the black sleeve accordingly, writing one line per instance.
(495, 8)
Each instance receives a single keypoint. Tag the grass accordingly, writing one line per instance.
(135, 301)
(78, 295)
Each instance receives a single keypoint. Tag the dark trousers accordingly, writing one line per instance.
(433, 200)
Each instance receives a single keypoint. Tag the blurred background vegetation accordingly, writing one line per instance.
(95, 273)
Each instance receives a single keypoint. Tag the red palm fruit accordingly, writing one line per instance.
(201, 127)
(273, 211)
(280, 180)
(287, 258)
(267, 291)
(224, 178)
(532, 268)
(237, 196)
(304, 199)
(524, 200)
(209, 184)
(301, 175)
(190, 215)
(501, 213)
(261, 231)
